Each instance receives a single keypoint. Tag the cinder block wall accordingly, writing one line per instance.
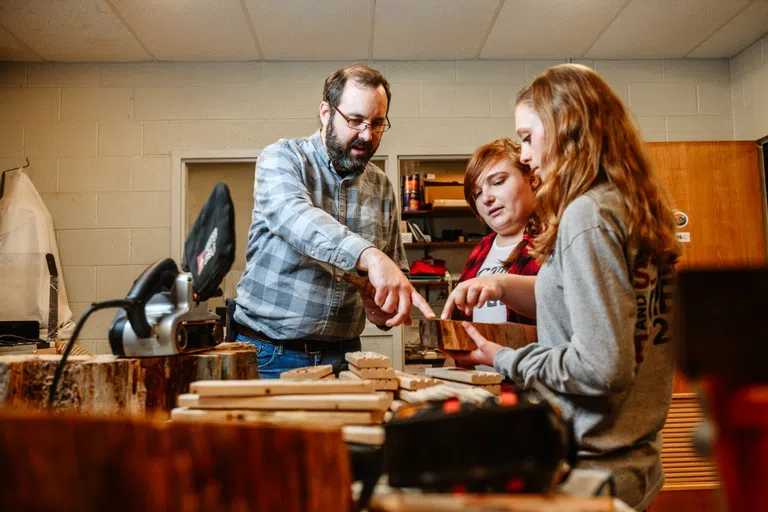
(99, 136)
(749, 88)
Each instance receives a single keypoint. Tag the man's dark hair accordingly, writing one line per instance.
(360, 73)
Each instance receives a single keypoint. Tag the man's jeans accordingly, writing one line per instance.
(275, 359)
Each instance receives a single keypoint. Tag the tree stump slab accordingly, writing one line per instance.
(106, 384)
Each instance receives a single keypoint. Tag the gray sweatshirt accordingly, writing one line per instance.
(604, 345)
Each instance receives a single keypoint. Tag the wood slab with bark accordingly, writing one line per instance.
(106, 384)
(450, 335)
(75, 462)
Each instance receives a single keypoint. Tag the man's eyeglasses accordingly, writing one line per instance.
(377, 127)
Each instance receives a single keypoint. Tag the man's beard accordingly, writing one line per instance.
(344, 162)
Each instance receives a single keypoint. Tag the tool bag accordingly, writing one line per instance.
(209, 250)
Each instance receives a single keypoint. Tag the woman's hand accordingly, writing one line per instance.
(483, 354)
(473, 293)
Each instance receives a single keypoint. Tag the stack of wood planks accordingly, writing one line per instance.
(374, 367)
(354, 405)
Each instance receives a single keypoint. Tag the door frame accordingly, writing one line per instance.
(180, 159)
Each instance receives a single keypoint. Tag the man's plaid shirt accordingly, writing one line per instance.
(308, 227)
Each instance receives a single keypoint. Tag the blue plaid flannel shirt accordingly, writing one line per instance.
(308, 227)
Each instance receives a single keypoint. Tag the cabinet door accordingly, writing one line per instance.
(717, 185)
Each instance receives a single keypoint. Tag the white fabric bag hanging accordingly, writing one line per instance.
(26, 236)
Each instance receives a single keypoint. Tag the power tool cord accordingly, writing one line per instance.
(122, 303)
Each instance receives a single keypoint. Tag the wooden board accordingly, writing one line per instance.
(450, 335)
(370, 435)
(378, 384)
(368, 359)
(337, 402)
(463, 375)
(414, 382)
(491, 388)
(278, 387)
(443, 392)
(74, 462)
(106, 384)
(326, 418)
(308, 372)
(373, 373)
(409, 502)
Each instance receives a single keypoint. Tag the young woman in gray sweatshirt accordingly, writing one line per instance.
(602, 298)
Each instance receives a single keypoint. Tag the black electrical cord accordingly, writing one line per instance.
(122, 303)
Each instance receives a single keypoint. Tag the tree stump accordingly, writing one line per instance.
(69, 462)
(107, 384)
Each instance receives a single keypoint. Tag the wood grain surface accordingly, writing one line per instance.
(106, 384)
(85, 463)
(450, 335)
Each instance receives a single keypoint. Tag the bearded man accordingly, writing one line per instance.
(322, 209)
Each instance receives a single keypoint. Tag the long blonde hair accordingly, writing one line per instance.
(588, 139)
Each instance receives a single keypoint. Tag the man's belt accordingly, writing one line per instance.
(308, 346)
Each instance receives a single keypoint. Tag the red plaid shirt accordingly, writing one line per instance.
(525, 265)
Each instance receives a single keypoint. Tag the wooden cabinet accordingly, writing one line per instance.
(717, 186)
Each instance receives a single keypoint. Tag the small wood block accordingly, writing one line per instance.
(368, 359)
(373, 373)
(463, 375)
(336, 402)
(378, 384)
(277, 387)
(414, 382)
(491, 388)
(442, 392)
(329, 418)
(450, 335)
(308, 372)
(363, 434)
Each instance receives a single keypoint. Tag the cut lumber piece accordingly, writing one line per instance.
(464, 375)
(336, 402)
(106, 384)
(491, 388)
(329, 376)
(450, 335)
(368, 359)
(443, 392)
(308, 372)
(328, 418)
(89, 463)
(277, 387)
(378, 384)
(373, 373)
(411, 502)
(414, 382)
(363, 434)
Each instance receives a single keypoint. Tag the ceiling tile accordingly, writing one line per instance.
(668, 29)
(72, 30)
(12, 50)
(191, 30)
(743, 30)
(301, 30)
(431, 29)
(524, 27)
